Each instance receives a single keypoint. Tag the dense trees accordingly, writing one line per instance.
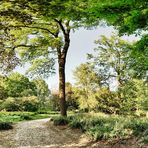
(19, 93)
(111, 63)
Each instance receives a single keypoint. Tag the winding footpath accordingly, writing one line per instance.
(43, 134)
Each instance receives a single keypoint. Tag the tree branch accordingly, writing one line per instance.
(61, 26)
(34, 27)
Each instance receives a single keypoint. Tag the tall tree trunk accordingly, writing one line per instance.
(62, 53)
(62, 96)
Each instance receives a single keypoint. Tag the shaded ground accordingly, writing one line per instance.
(42, 134)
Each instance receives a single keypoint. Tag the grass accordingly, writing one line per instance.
(107, 127)
(8, 118)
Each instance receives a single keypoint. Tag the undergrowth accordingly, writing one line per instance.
(107, 127)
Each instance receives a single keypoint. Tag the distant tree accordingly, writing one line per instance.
(139, 58)
(3, 93)
(17, 85)
(133, 95)
(42, 90)
(70, 97)
(87, 83)
(112, 59)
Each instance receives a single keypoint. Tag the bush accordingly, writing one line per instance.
(60, 120)
(26, 117)
(29, 103)
(5, 125)
(108, 127)
(145, 139)
(10, 104)
(138, 126)
(108, 102)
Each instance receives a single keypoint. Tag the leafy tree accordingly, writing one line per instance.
(108, 101)
(87, 82)
(112, 59)
(87, 77)
(18, 85)
(127, 16)
(43, 28)
(3, 93)
(133, 95)
(139, 55)
(42, 90)
(70, 97)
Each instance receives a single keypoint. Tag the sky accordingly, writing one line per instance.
(82, 42)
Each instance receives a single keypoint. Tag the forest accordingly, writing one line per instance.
(106, 106)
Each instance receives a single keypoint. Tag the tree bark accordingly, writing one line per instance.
(62, 53)
(62, 96)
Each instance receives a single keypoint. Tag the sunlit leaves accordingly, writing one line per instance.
(42, 67)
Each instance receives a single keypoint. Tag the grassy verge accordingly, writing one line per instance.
(8, 118)
(107, 127)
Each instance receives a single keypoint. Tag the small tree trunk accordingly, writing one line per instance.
(63, 106)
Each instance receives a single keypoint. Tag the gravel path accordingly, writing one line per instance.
(43, 134)
(40, 134)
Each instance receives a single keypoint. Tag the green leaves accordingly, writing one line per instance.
(18, 85)
(41, 67)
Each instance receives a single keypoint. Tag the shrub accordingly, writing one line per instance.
(10, 104)
(138, 126)
(145, 139)
(109, 127)
(76, 123)
(29, 103)
(60, 120)
(5, 125)
(26, 117)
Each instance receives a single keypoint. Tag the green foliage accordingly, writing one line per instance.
(5, 125)
(127, 15)
(29, 103)
(133, 95)
(26, 117)
(108, 101)
(111, 59)
(109, 127)
(145, 139)
(17, 85)
(20, 116)
(139, 55)
(21, 104)
(87, 83)
(10, 104)
(3, 92)
(43, 92)
(54, 102)
(60, 120)
(70, 97)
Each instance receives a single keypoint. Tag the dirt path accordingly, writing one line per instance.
(42, 134)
